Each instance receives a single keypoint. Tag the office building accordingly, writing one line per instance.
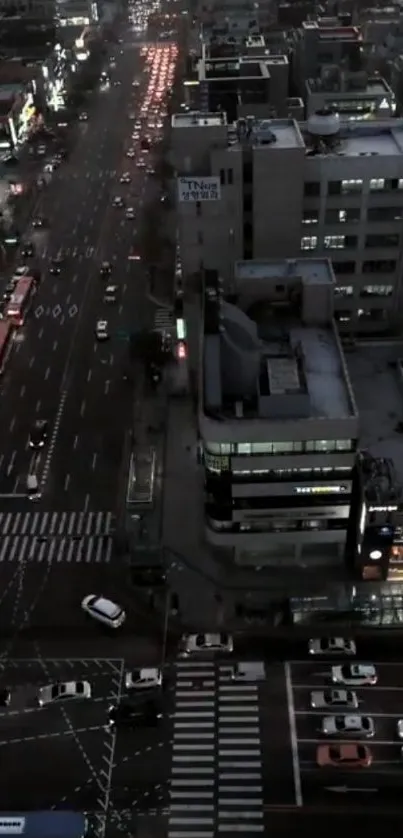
(321, 43)
(277, 418)
(273, 189)
(354, 96)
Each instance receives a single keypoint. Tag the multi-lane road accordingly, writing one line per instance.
(58, 370)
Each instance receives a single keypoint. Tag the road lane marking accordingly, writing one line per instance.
(66, 482)
(293, 735)
(94, 461)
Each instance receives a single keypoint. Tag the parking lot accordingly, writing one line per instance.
(65, 755)
(382, 702)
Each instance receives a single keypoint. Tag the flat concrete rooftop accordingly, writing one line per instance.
(378, 389)
(194, 119)
(310, 270)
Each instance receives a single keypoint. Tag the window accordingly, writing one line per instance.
(377, 184)
(310, 217)
(376, 291)
(334, 187)
(381, 214)
(351, 186)
(327, 446)
(222, 177)
(379, 266)
(247, 172)
(200, 237)
(230, 176)
(339, 242)
(335, 242)
(342, 216)
(343, 267)
(343, 291)
(385, 240)
(247, 203)
(244, 448)
(198, 208)
(283, 447)
(309, 242)
(312, 188)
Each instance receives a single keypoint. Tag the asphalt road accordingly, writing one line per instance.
(58, 371)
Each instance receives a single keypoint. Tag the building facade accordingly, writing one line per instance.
(277, 419)
(279, 190)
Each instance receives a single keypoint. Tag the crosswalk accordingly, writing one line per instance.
(216, 784)
(55, 537)
(163, 320)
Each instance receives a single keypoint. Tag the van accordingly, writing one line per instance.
(33, 490)
(251, 671)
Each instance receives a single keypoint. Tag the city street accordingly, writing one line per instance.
(58, 370)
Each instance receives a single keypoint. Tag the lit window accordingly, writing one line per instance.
(343, 290)
(310, 217)
(335, 242)
(377, 184)
(376, 291)
(309, 242)
(352, 185)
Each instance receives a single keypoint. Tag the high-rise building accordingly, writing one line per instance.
(277, 418)
(273, 189)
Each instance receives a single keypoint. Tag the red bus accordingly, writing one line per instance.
(6, 340)
(20, 300)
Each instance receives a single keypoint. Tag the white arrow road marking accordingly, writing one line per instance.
(56, 312)
(73, 310)
(39, 311)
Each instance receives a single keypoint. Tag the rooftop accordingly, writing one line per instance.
(230, 68)
(277, 133)
(310, 270)
(267, 353)
(351, 84)
(357, 139)
(194, 119)
(377, 381)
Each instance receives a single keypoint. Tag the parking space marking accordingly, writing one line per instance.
(372, 688)
(53, 735)
(293, 735)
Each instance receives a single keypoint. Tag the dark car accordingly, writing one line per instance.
(28, 249)
(134, 714)
(148, 576)
(105, 269)
(39, 221)
(38, 434)
(5, 697)
(56, 265)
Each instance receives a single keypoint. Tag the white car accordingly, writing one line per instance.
(354, 674)
(101, 330)
(320, 699)
(62, 691)
(117, 202)
(104, 610)
(331, 646)
(21, 271)
(216, 642)
(345, 726)
(125, 178)
(130, 213)
(140, 679)
(131, 152)
(110, 294)
(399, 728)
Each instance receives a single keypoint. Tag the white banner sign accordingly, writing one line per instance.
(192, 189)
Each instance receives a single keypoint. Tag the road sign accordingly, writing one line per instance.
(56, 312)
(39, 311)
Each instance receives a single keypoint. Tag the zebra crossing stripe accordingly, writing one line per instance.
(86, 550)
(163, 320)
(52, 524)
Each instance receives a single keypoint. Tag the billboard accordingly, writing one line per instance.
(193, 189)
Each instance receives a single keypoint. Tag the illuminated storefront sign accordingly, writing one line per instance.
(74, 21)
